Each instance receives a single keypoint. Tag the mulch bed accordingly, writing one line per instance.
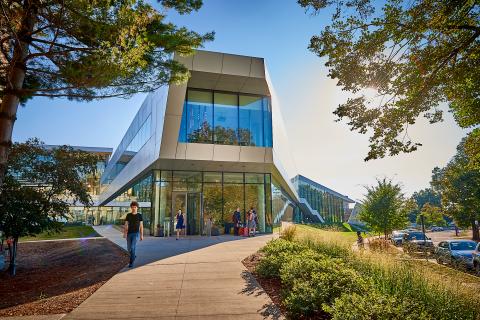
(56, 276)
(272, 287)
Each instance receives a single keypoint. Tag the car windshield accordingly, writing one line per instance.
(398, 235)
(416, 236)
(463, 245)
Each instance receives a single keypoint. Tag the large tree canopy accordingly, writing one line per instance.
(459, 186)
(414, 54)
(87, 49)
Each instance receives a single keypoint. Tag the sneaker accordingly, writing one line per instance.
(130, 265)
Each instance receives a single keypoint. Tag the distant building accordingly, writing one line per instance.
(354, 219)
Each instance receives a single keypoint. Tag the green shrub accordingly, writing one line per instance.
(302, 265)
(276, 253)
(312, 280)
(373, 305)
(278, 246)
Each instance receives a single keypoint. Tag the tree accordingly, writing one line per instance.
(433, 216)
(413, 54)
(40, 185)
(384, 208)
(84, 50)
(421, 198)
(459, 186)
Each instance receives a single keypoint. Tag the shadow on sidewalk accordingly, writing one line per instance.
(252, 287)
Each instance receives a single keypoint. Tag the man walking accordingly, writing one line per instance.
(132, 230)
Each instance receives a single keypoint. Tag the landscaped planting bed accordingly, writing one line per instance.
(56, 276)
(318, 278)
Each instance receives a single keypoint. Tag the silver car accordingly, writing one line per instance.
(397, 237)
(456, 252)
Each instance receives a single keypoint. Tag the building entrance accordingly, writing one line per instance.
(191, 205)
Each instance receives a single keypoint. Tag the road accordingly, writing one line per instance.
(447, 235)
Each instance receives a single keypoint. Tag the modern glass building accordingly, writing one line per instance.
(209, 146)
(324, 204)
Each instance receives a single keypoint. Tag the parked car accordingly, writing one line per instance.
(476, 259)
(435, 229)
(414, 241)
(456, 252)
(397, 237)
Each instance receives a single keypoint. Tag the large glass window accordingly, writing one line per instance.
(267, 123)
(255, 199)
(226, 118)
(212, 202)
(250, 131)
(233, 199)
(198, 117)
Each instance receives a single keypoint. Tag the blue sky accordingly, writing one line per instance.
(279, 31)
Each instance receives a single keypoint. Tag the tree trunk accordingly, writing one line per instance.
(475, 232)
(15, 78)
(12, 268)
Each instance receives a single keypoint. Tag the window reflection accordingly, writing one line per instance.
(251, 121)
(199, 116)
(226, 118)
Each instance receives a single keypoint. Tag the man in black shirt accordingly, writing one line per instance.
(132, 230)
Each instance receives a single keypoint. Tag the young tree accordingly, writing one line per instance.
(459, 186)
(413, 54)
(432, 215)
(384, 208)
(40, 185)
(84, 50)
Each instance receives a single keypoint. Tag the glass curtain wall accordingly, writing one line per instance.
(332, 208)
(283, 207)
(221, 193)
(226, 118)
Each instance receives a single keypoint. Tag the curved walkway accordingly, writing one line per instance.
(192, 278)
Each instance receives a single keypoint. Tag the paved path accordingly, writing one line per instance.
(193, 278)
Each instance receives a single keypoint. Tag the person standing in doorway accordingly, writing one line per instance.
(249, 221)
(236, 218)
(180, 226)
(254, 220)
(133, 230)
(208, 224)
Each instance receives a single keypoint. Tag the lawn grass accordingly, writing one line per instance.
(68, 232)
(316, 234)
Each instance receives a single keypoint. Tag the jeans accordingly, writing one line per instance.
(132, 239)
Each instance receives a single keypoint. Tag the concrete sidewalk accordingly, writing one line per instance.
(193, 278)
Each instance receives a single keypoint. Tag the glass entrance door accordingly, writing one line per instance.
(194, 214)
(191, 206)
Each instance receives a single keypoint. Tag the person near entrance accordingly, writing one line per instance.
(180, 226)
(133, 230)
(252, 221)
(237, 219)
(208, 224)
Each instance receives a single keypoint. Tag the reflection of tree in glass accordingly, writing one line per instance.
(233, 198)
(202, 134)
(223, 135)
(212, 202)
(245, 136)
